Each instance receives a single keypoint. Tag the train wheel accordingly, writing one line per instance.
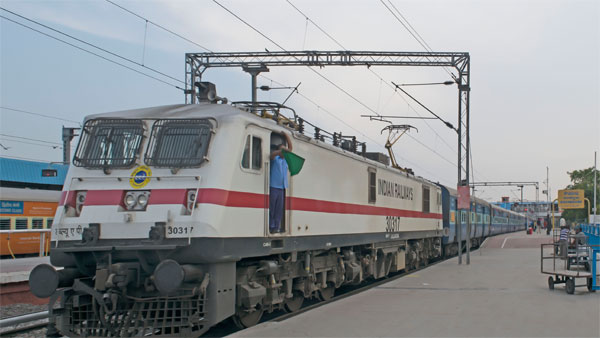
(295, 303)
(550, 283)
(243, 319)
(570, 286)
(327, 293)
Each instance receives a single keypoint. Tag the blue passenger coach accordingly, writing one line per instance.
(486, 220)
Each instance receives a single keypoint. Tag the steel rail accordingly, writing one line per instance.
(23, 319)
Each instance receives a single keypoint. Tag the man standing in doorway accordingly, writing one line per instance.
(278, 183)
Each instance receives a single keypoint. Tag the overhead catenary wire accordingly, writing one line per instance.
(30, 139)
(38, 114)
(94, 46)
(90, 52)
(425, 45)
(419, 39)
(285, 50)
(374, 73)
(159, 26)
(380, 78)
(31, 143)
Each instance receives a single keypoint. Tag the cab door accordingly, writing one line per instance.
(255, 168)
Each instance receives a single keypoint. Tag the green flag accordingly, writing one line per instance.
(294, 162)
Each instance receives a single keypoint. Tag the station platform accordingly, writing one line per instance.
(501, 293)
(18, 269)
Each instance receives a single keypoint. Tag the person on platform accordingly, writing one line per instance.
(563, 239)
(278, 183)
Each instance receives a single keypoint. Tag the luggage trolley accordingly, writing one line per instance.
(580, 261)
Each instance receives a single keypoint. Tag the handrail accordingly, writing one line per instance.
(43, 233)
(24, 231)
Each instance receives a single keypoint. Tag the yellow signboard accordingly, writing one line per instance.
(570, 199)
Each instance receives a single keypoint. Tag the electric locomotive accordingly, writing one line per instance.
(163, 223)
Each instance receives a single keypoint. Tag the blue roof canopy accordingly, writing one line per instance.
(13, 170)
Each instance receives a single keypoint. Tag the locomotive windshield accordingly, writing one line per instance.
(178, 143)
(109, 143)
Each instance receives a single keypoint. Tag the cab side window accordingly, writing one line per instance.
(252, 156)
(372, 185)
(426, 199)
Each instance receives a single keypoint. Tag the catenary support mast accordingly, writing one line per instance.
(197, 63)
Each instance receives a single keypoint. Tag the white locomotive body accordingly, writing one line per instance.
(167, 209)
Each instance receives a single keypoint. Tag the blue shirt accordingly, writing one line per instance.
(279, 169)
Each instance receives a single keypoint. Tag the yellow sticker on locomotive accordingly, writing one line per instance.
(140, 177)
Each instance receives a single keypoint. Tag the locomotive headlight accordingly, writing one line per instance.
(130, 200)
(142, 200)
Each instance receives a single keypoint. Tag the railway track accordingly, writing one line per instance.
(33, 321)
(15, 298)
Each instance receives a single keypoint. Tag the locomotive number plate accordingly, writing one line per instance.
(181, 230)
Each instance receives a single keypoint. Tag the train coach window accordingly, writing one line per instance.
(178, 143)
(426, 199)
(252, 156)
(21, 223)
(109, 143)
(37, 223)
(372, 185)
(4, 223)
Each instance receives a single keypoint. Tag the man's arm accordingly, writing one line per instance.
(289, 142)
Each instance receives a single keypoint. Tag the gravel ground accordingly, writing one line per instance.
(21, 309)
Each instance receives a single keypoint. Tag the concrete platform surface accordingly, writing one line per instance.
(17, 270)
(501, 294)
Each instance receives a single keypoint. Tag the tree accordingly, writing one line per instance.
(583, 179)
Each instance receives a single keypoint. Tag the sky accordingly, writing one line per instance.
(535, 74)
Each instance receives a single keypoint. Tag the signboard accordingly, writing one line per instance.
(570, 199)
(11, 207)
(26, 208)
(464, 197)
